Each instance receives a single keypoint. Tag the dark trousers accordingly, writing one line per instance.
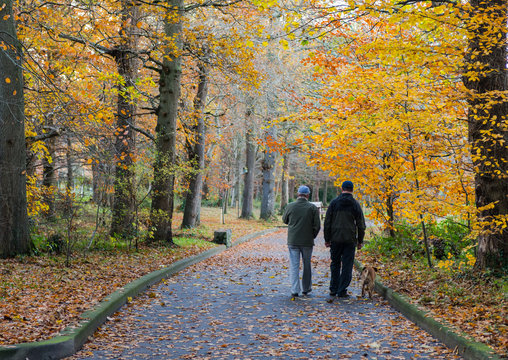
(341, 267)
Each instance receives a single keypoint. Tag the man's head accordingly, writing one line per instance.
(347, 186)
(303, 191)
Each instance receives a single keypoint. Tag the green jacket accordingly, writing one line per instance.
(303, 222)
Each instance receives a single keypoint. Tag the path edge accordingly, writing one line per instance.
(467, 348)
(72, 338)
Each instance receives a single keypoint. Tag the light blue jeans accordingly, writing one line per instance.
(294, 268)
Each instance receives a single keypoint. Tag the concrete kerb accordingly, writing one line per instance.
(73, 338)
(469, 349)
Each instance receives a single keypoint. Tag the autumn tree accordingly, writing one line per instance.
(14, 238)
(128, 66)
(195, 145)
(388, 116)
(270, 88)
(430, 36)
(169, 91)
(486, 78)
(268, 184)
(123, 51)
(250, 161)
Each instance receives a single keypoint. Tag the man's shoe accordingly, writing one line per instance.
(306, 292)
(294, 295)
(343, 294)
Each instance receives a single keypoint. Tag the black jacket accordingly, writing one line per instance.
(344, 221)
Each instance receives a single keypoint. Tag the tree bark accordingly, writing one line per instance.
(102, 177)
(225, 203)
(390, 196)
(235, 199)
(315, 187)
(70, 171)
(248, 180)
(70, 178)
(49, 182)
(161, 214)
(292, 179)
(325, 193)
(268, 166)
(196, 152)
(14, 237)
(488, 134)
(284, 193)
(390, 229)
(122, 223)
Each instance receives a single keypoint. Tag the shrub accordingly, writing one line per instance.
(448, 237)
(448, 240)
(405, 243)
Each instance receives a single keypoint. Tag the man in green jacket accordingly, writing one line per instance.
(344, 229)
(303, 222)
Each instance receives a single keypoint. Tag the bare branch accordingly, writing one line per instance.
(100, 48)
(53, 132)
(141, 131)
(212, 4)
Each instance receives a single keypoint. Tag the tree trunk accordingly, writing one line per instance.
(225, 203)
(122, 222)
(248, 180)
(161, 213)
(325, 193)
(268, 166)
(292, 180)
(49, 173)
(102, 170)
(284, 193)
(390, 196)
(488, 134)
(70, 171)
(196, 152)
(235, 199)
(315, 187)
(390, 213)
(70, 178)
(14, 238)
(292, 189)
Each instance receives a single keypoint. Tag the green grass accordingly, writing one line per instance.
(191, 241)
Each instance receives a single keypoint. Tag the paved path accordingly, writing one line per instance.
(237, 305)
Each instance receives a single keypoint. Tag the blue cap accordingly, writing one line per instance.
(303, 190)
(347, 185)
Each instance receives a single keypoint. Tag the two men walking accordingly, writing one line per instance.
(344, 230)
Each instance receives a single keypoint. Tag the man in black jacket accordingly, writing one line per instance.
(344, 229)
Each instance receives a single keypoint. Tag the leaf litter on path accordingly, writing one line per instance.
(237, 305)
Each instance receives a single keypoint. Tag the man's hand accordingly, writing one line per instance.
(327, 244)
(359, 246)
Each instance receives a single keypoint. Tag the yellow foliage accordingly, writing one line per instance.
(389, 108)
(35, 204)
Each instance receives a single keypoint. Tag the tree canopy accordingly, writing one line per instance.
(141, 105)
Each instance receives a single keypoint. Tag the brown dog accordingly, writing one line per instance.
(367, 278)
